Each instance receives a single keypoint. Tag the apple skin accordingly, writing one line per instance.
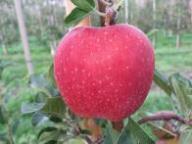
(104, 72)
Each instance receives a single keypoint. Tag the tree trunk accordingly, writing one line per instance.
(191, 14)
(177, 40)
(2, 35)
(126, 11)
(5, 51)
(24, 38)
(53, 46)
(178, 28)
(154, 21)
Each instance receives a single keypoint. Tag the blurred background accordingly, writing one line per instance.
(29, 50)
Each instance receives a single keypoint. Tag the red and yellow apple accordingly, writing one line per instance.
(104, 72)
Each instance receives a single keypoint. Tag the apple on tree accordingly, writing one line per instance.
(104, 72)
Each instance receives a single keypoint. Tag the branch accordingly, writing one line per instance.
(165, 116)
(106, 3)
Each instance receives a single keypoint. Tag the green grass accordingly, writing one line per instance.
(15, 80)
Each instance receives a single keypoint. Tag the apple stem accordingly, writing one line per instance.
(107, 11)
(110, 16)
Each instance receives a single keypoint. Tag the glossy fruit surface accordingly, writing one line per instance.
(104, 72)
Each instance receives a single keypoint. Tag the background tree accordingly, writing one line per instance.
(24, 37)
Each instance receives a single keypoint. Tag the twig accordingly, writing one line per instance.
(165, 116)
(99, 141)
(100, 13)
(88, 140)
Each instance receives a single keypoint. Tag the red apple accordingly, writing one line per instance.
(104, 72)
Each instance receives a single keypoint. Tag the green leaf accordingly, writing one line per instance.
(37, 118)
(134, 134)
(85, 5)
(3, 115)
(51, 75)
(75, 16)
(108, 137)
(15, 125)
(51, 142)
(47, 129)
(162, 82)
(55, 119)
(182, 92)
(27, 108)
(3, 138)
(3, 65)
(38, 81)
(54, 106)
(186, 136)
(48, 135)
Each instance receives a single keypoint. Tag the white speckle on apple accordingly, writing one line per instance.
(105, 33)
(140, 74)
(78, 92)
(108, 56)
(127, 67)
(76, 69)
(148, 59)
(130, 84)
(89, 74)
(83, 70)
(116, 90)
(109, 68)
(107, 77)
